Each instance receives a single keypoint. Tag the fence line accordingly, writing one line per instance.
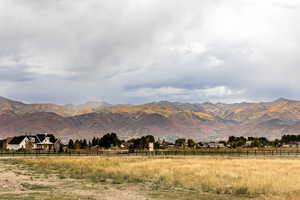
(206, 152)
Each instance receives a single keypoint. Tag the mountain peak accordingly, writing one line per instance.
(281, 99)
(94, 104)
(198, 120)
(4, 100)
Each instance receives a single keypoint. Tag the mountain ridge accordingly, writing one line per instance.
(163, 119)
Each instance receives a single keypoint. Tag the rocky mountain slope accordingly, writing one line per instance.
(165, 119)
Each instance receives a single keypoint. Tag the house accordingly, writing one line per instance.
(46, 142)
(166, 145)
(292, 145)
(17, 143)
(248, 144)
(213, 145)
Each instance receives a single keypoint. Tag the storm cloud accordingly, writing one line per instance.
(71, 51)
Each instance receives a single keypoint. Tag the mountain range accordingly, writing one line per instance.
(202, 121)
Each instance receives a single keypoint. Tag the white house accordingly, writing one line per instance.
(213, 145)
(17, 143)
(35, 142)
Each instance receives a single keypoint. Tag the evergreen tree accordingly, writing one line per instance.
(94, 141)
(84, 144)
(90, 144)
(71, 144)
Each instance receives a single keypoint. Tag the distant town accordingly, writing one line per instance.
(50, 143)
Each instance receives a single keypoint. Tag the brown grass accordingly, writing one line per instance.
(276, 178)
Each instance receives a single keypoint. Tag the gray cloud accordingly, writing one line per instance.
(136, 51)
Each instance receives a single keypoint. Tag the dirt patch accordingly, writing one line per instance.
(20, 183)
(14, 180)
(107, 192)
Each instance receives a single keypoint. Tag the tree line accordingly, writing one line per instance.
(111, 140)
(107, 141)
(261, 141)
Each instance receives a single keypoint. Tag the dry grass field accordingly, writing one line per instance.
(183, 177)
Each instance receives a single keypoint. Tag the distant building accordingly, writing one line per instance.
(213, 145)
(292, 145)
(18, 142)
(46, 142)
(248, 144)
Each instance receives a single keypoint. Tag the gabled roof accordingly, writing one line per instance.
(17, 139)
(41, 137)
(34, 137)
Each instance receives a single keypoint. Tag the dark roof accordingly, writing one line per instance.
(17, 139)
(41, 137)
(35, 137)
(38, 138)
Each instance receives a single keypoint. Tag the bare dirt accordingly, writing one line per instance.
(20, 183)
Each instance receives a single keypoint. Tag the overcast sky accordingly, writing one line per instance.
(136, 51)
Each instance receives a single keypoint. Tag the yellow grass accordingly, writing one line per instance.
(278, 178)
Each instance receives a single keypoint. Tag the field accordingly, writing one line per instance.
(168, 178)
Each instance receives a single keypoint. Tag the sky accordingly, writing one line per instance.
(137, 51)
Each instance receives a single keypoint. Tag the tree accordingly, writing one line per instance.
(263, 141)
(109, 140)
(255, 143)
(276, 143)
(143, 142)
(77, 144)
(181, 142)
(71, 144)
(156, 145)
(146, 140)
(94, 141)
(84, 144)
(236, 141)
(191, 143)
(90, 144)
(290, 138)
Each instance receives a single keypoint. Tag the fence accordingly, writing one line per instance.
(180, 152)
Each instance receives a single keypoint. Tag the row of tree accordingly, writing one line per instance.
(249, 141)
(182, 142)
(290, 138)
(111, 140)
(241, 141)
(107, 141)
(261, 141)
(142, 143)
